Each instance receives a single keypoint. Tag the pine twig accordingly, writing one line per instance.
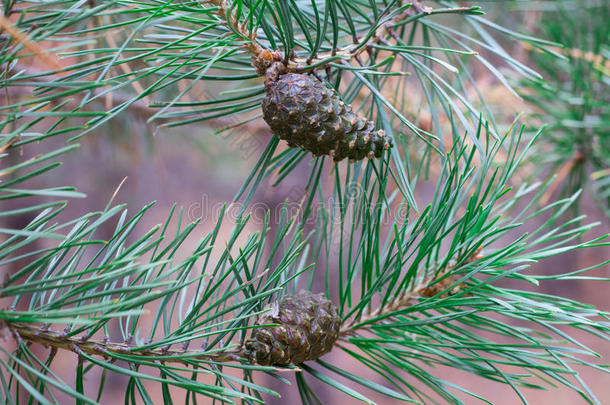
(230, 20)
(296, 64)
(59, 340)
(427, 288)
(21, 38)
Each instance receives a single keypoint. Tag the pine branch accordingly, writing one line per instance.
(83, 344)
(20, 38)
(229, 16)
(434, 292)
(139, 108)
(105, 348)
(383, 32)
(430, 287)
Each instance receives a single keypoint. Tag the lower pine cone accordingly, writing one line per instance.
(308, 327)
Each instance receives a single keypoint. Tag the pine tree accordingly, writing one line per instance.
(403, 285)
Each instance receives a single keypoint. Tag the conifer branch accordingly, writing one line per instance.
(429, 287)
(295, 64)
(411, 299)
(21, 38)
(384, 32)
(230, 20)
(105, 348)
(82, 344)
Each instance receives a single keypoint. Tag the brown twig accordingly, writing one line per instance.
(427, 288)
(303, 64)
(59, 340)
(561, 174)
(385, 31)
(21, 38)
(125, 68)
(358, 46)
(7, 145)
(598, 60)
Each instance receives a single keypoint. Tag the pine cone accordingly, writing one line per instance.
(303, 111)
(308, 326)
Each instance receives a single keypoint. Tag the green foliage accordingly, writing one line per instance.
(574, 98)
(416, 281)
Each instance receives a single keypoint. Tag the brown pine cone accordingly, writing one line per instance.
(308, 326)
(304, 112)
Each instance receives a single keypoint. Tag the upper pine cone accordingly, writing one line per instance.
(308, 326)
(303, 111)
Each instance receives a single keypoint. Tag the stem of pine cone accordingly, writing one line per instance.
(300, 64)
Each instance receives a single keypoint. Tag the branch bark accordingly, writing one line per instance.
(60, 340)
